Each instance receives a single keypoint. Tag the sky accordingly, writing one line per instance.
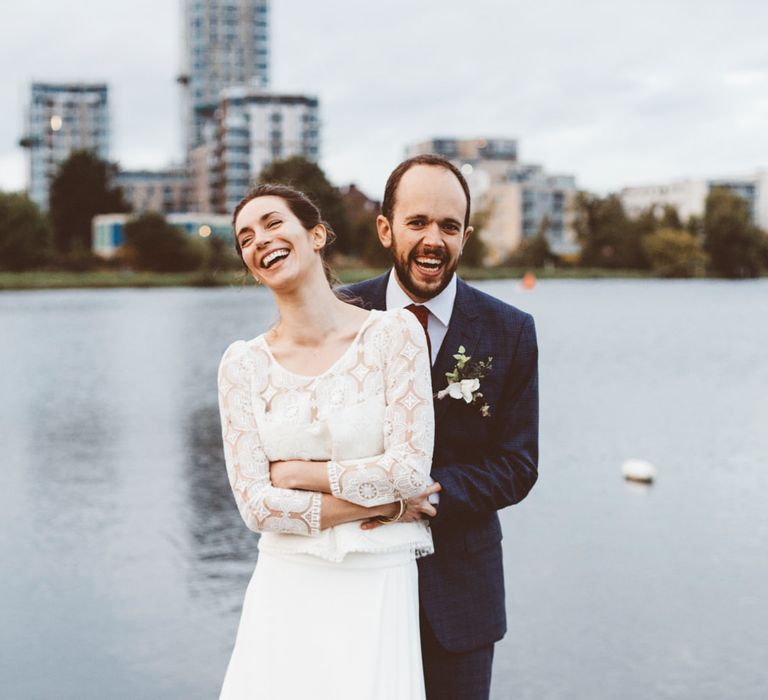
(615, 93)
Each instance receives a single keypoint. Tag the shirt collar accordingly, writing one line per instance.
(441, 306)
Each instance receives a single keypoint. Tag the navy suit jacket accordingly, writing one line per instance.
(483, 464)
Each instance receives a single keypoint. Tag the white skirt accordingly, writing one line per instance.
(318, 630)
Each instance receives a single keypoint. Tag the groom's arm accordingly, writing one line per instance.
(505, 468)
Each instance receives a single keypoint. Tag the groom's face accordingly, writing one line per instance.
(426, 234)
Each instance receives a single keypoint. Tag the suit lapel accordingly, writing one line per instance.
(462, 330)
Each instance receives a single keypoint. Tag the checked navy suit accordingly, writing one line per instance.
(483, 464)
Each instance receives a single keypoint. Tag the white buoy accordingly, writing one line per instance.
(638, 470)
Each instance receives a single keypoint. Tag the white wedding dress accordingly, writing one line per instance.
(330, 614)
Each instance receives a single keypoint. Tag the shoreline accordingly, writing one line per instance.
(114, 279)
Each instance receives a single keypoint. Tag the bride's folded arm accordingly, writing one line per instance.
(402, 470)
(264, 506)
(302, 474)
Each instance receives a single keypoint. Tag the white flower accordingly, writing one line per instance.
(460, 387)
(464, 389)
(468, 388)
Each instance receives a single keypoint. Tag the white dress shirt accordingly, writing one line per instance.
(440, 309)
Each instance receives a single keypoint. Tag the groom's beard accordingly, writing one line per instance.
(407, 270)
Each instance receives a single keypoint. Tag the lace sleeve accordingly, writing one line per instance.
(262, 506)
(402, 471)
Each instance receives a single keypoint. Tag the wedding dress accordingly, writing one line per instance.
(330, 614)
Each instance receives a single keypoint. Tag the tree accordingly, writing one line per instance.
(608, 237)
(221, 255)
(371, 250)
(670, 219)
(475, 251)
(675, 253)
(151, 243)
(80, 190)
(25, 237)
(765, 250)
(695, 226)
(309, 178)
(361, 213)
(534, 252)
(734, 245)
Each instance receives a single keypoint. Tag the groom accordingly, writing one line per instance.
(486, 452)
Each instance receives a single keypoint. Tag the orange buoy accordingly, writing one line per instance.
(528, 281)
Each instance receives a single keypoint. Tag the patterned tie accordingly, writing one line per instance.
(422, 313)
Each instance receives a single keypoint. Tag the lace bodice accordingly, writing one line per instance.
(369, 416)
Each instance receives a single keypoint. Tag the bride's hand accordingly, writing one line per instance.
(294, 474)
(416, 508)
(299, 474)
(282, 474)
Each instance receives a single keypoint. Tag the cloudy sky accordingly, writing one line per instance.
(617, 92)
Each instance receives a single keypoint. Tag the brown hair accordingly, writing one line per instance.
(390, 191)
(302, 207)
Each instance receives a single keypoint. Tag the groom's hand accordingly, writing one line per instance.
(419, 506)
(416, 508)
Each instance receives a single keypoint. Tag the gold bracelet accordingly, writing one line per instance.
(385, 520)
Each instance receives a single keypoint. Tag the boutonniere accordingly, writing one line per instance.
(464, 380)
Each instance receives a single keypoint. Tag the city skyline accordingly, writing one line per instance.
(617, 94)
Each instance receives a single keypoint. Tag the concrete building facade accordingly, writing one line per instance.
(200, 173)
(254, 128)
(686, 196)
(689, 197)
(163, 191)
(226, 43)
(62, 118)
(235, 125)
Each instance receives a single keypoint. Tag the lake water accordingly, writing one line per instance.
(124, 560)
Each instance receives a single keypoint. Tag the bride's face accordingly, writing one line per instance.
(275, 247)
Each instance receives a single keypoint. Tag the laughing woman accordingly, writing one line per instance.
(327, 423)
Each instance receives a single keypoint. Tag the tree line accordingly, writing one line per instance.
(723, 242)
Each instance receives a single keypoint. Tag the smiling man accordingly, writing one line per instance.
(486, 441)
(427, 230)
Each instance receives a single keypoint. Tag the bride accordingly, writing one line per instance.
(328, 426)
